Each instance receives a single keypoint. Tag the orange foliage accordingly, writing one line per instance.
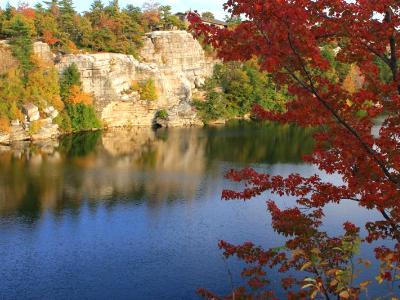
(72, 47)
(152, 17)
(354, 80)
(4, 125)
(79, 97)
(26, 11)
(48, 38)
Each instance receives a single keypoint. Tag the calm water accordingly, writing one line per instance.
(136, 214)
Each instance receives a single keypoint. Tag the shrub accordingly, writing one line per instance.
(35, 127)
(146, 89)
(43, 86)
(235, 88)
(70, 77)
(162, 114)
(77, 96)
(4, 125)
(64, 122)
(83, 117)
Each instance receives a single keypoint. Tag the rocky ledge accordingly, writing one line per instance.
(173, 60)
(35, 126)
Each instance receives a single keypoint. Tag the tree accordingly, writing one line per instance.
(20, 30)
(151, 15)
(209, 16)
(168, 20)
(66, 19)
(70, 77)
(52, 7)
(81, 114)
(287, 38)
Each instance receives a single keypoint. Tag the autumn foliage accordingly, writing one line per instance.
(287, 38)
(77, 96)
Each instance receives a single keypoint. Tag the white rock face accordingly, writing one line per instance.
(42, 50)
(31, 111)
(173, 59)
(4, 138)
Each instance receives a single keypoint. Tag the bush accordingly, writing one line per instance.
(162, 114)
(35, 127)
(70, 77)
(83, 117)
(4, 125)
(77, 96)
(64, 122)
(147, 89)
(235, 88)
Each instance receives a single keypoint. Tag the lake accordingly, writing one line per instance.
(137, 213)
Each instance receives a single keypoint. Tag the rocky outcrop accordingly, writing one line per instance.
(179, 116)
(173, 59)
(4, 138)
(42, 50)
(34, 128)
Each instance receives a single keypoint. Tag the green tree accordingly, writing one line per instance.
(20, 31)
(66, 19)
(52, 7)
(69, 78)
(208, 16)
(81, 116)
(235, 88)
(168, 20)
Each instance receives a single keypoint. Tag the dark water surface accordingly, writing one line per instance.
(136, 214)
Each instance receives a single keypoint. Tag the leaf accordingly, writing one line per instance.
(344, 295)
(307, 286)
(364, 284)
(306, 266)
(334, 283)
(314, 294)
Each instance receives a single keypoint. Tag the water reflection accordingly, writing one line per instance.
(135, 165)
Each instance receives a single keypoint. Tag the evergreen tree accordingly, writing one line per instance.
(67, 19)
(113, 8)
(52, 7)
(70, 77)
(20, 31)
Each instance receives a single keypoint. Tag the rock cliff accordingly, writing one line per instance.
(172, 59)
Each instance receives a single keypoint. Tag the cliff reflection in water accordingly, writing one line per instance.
(136, 165)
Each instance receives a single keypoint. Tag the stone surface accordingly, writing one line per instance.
(31, 111)
(42, 50)
(173, 59)
(4, 138)
(48, 130)
(18, 133)
(183, 114)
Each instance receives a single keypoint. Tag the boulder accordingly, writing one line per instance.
(181, 115)
(18, 133)
(4, 138)
(15, 123)
(31, 111)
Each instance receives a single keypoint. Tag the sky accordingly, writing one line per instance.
(215, 6)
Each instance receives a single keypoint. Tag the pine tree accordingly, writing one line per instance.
(52, 7)
(20, 32)
(66, 18)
